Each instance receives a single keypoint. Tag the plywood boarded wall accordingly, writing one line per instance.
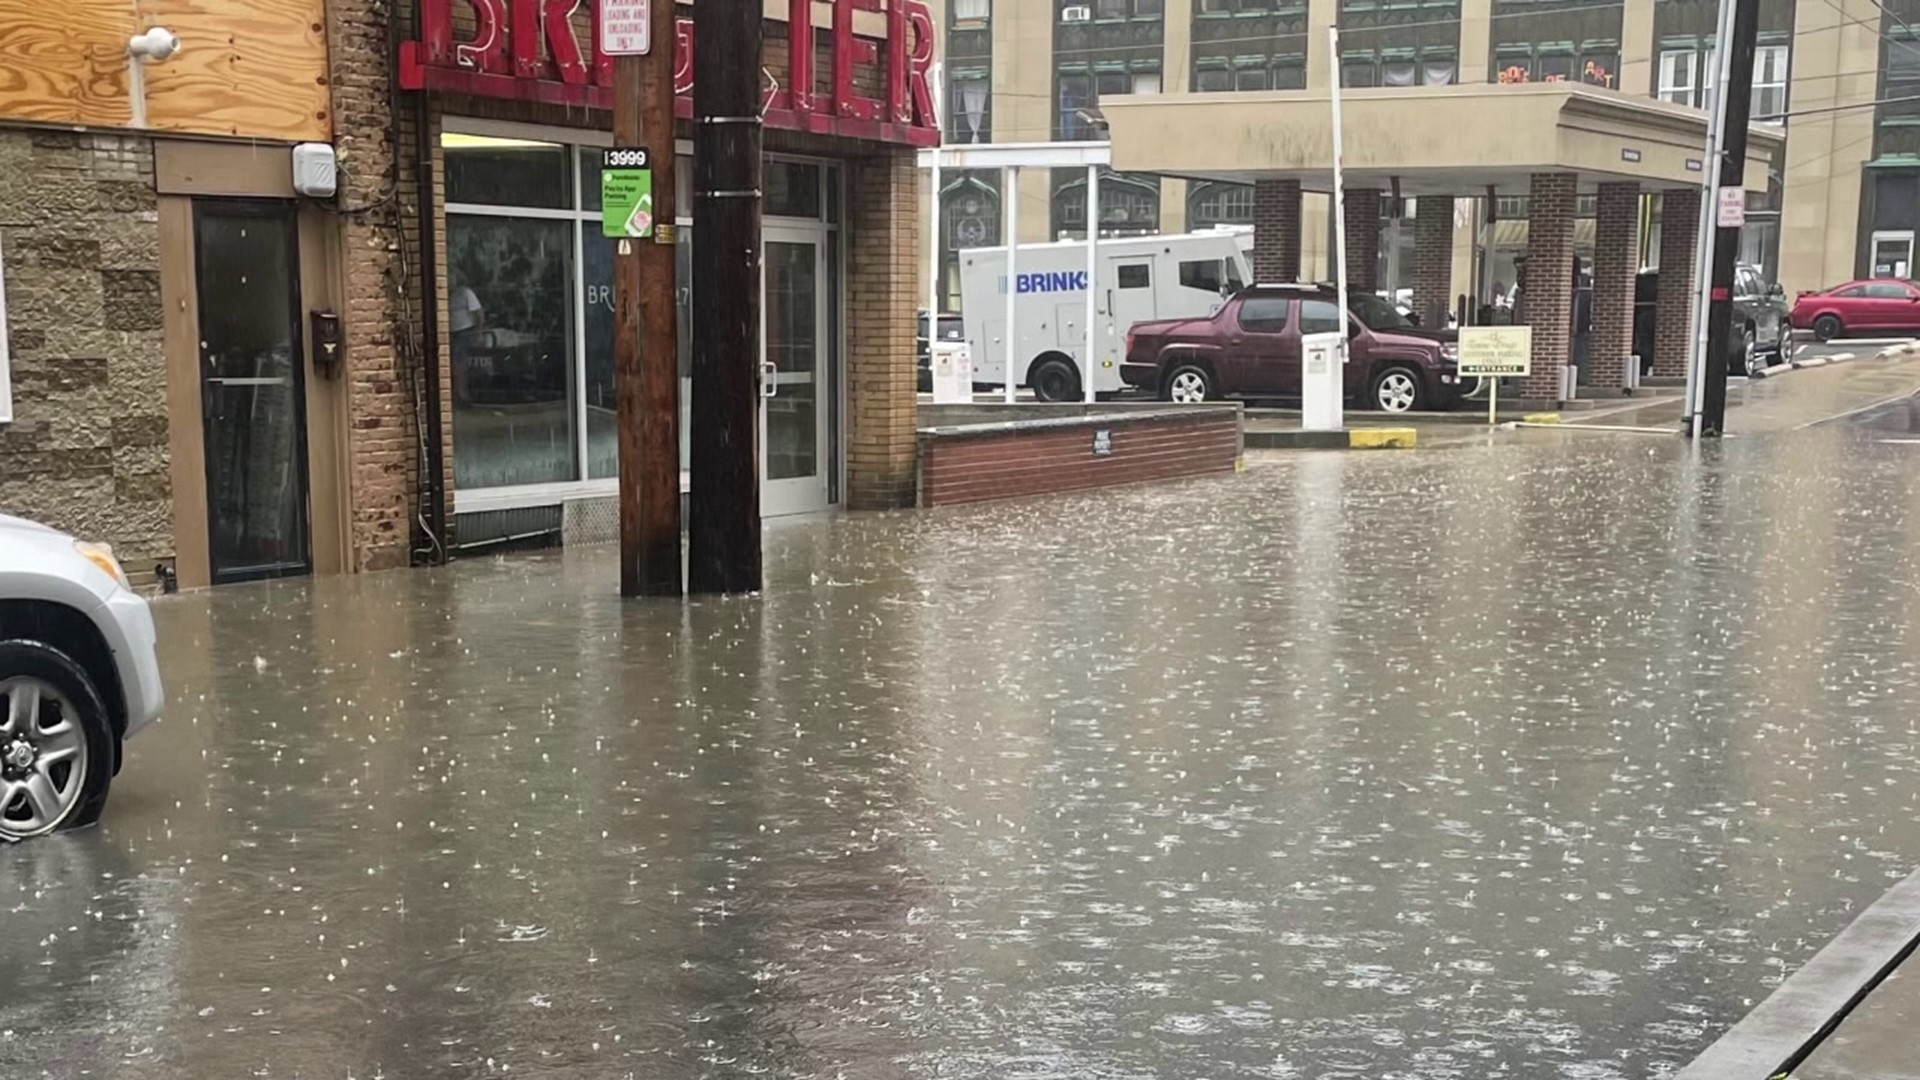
(252, 68)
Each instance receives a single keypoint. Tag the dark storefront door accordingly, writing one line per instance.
(251, 394)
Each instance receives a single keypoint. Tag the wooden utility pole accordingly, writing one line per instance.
(646, 354)
(723, 527)
(1736, 96)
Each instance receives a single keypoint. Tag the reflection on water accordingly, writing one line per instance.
(1533, 761)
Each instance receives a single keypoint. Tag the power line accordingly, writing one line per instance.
(1878, 32)
(1841, 108)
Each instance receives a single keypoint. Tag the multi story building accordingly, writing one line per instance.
(1842, 199)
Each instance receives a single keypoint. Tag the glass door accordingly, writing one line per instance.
(252, 404)
(793, 382)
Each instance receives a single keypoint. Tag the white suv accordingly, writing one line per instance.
(77, 675)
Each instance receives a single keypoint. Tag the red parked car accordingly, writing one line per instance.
(1251, 348)
(1859, 308)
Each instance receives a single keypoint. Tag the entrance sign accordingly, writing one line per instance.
(952, 376)
(1491, 352)
(626, 27)
(626, 193)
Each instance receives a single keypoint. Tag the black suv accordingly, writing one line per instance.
(1762, 334)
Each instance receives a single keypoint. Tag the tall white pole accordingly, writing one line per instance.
(1722, 61)
(933, 222)
(1339, 216)
(1093, 283)
(1010, 198)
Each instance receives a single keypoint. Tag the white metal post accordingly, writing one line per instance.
(1339, 224)
(1093, 282)
(1010, 198)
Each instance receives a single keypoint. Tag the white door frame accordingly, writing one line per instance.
(806, 494)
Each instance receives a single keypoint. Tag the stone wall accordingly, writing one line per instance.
(80, 246)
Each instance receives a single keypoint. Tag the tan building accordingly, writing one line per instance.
(1842, 199)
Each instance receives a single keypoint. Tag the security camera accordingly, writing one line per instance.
(156, 44)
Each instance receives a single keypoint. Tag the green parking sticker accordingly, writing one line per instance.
(626, 193)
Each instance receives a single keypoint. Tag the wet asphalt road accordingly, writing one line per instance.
(1545, 758)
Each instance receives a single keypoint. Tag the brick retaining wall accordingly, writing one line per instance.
(982, 462)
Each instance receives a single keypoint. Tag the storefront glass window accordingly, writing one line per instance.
(530, 305)
(507, 172)
(509, 295)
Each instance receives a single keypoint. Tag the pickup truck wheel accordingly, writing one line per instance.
(56, 742)
(1397, 390)
(1187, 384)
(1055, 379)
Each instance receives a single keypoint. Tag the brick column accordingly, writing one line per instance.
(1433, 259)
(1276, 231)
(380, 358)
(883, 294)
(1673, 304)
(1363, 239)
(1549, 281)
(1616, 257)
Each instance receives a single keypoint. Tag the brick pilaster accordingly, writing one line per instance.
(1363, 239)
(883, 292)
(1673, 304)
(1276, 231)
(1549, 280)
(1616, 257)
(1433, 259)
(380, 448)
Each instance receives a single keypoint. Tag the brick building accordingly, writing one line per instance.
(231, 375)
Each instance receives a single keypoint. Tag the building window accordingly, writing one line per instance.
(1219, 203)
(972, 210)
(972, 11)
(1129, 206)
(1770, 83)
(1076, 106)
(1595, 63)
(968, 108)
(1213, 80)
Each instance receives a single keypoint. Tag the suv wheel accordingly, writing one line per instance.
(56, 742)
(1397, 390)
(1750, 362)
(1188, 384)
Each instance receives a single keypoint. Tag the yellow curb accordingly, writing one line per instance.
(1541, 418)
(1391, 438)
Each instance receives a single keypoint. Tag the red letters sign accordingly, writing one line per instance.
(528, 49)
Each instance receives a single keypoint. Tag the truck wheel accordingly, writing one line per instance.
(1055, 379)
(1826, 328)
(1397, 390)
(56, 742)
(1188, 384)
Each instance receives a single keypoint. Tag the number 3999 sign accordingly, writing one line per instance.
(626, 27)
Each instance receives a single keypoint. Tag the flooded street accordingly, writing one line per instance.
(1542, 759)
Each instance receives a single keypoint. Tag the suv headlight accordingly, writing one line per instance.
(101, 555)
(1449, 352)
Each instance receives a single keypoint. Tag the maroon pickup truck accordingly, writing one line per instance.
(1251, 348)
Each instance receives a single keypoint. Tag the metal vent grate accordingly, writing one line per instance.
(591, 521)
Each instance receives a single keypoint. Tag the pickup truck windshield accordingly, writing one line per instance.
(1377, 314)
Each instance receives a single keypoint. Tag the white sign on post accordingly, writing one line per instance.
(1492, 352)
(952, 376)
(1733, 208)
(626, 27)
(1321, 381)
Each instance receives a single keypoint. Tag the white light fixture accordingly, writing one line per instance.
(156, 44)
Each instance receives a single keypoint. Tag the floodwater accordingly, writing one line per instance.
(1543, 759)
